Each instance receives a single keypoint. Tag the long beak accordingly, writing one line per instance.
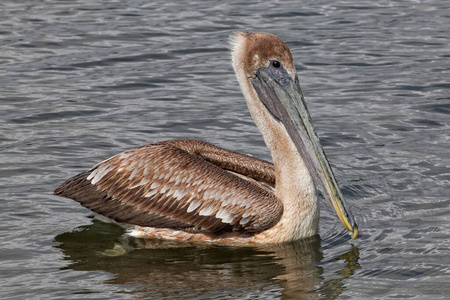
(283, 97)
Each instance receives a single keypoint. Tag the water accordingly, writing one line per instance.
(81, 81)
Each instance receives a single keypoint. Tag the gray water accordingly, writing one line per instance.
(83, 80)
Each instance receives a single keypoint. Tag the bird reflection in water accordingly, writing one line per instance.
(177, 269)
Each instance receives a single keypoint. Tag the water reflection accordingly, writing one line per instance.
(173, 269)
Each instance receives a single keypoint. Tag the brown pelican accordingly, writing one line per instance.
(192, 190)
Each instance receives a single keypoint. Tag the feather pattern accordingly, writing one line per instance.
(181, 184)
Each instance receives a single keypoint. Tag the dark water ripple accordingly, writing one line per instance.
(82, 80)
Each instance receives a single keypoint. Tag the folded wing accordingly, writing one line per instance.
(181, 184)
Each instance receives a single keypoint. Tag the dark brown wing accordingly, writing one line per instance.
(180, 184)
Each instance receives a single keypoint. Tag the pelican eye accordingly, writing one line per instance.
(278, 72)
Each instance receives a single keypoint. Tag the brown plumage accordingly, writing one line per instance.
(180, 184)
(260, 47)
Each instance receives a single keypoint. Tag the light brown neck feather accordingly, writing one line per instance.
(294, 185)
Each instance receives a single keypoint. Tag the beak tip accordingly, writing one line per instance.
(355, 231)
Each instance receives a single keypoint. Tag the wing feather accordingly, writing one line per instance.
(181, 184)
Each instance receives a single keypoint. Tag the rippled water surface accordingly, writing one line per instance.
(83, 80)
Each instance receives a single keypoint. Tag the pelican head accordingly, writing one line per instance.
(269, 81)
